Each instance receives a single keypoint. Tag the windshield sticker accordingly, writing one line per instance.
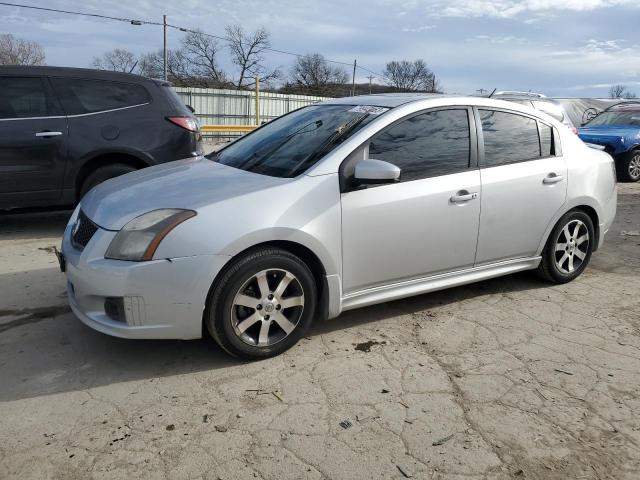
(370, 109)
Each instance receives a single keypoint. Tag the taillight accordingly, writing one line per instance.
(188, 123)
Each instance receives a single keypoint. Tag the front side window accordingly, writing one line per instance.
(426, 145)
(79, 96)
(508, 138)
(23, 97)
(291, 144)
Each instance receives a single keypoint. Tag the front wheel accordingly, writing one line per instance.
(568, 249)
(629, 166)
(102, 174)
(262, 305)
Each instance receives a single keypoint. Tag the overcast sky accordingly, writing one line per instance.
(558, 47)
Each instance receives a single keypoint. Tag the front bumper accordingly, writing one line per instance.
(160, 298)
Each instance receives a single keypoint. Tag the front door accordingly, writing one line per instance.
(33, 142)
(426, 223)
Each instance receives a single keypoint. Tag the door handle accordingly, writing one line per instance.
(552, 178)
(463, 196)
(48, 134)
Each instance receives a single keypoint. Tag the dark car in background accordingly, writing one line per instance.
(65, 130)
(539, 102)
(617, 129)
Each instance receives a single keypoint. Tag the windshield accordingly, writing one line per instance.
(616, 118)
(289, 145)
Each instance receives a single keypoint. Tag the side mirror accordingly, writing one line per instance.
(372, 172)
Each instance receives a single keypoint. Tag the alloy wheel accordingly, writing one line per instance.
(572, 246)
(267, 307)
(634, 167)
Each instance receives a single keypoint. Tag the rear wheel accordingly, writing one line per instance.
(262, 305)
(568, 249)
(629, 166)
(103, 173)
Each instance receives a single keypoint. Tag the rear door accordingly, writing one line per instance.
(524, 183)
(427, 222)
(33, 142)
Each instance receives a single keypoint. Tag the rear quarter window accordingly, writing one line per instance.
(80, 96)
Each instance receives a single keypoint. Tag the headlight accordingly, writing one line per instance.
(139, 239)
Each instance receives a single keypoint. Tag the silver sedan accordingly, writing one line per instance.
(335, 206)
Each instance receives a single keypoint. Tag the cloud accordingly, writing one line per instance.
(513, 8)
(421, 28)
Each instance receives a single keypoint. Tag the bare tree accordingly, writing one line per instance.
(313, 74)
(247, 50)
(620, 91)
(201, 51)
(17, 51)
(411, 76)
(117, 60)
(178, 67)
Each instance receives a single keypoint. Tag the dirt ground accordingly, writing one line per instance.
(509, 378)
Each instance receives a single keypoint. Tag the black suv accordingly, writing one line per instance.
(65, 130)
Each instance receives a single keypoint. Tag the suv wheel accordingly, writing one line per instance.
(568, 248)
(262, 305)
(103, 173)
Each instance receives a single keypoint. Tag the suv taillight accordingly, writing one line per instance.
(188, 123)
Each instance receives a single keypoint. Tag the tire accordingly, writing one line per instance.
(561, 257)
(103, 173)
(247, 317)
(628, 166)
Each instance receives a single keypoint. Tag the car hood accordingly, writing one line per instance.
(188, 184)
(617, 136)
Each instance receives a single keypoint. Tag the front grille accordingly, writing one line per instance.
(83, 231)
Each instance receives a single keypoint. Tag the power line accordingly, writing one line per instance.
(96, 15)
(176, 27)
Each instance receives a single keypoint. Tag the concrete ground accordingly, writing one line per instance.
(509, 378)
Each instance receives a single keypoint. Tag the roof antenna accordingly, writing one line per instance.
(491, 94)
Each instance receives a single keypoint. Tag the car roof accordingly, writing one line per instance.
(513, 96)
(75, 73)
(436, 100)
(388, 100)
(627, 106)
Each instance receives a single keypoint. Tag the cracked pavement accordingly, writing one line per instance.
(508, 378)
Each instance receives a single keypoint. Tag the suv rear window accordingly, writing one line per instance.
(90, 96)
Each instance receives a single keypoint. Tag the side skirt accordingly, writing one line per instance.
(395, 291)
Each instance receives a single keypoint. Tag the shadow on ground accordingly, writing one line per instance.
(47, 350)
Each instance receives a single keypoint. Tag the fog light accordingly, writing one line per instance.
(114, 308)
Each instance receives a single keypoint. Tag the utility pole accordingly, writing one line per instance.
(370, 77)
(481, 91)
(257, 101)
(353, 80)
(164, 49)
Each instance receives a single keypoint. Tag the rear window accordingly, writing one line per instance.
(79, 96)
(177, 105)
(508, 138)
(552, 109)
